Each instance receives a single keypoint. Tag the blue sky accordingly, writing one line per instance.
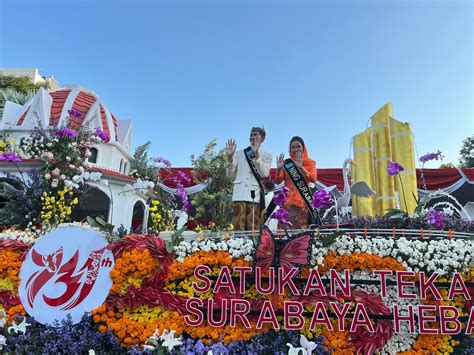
(189, 71)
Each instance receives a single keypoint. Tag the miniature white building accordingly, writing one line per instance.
(112, 159)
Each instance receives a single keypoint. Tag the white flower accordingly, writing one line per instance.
(91, 352)
(169, 341)
(69, 183)
(3, 341)
(295, 351)
(3, 318)
(19, 327)
(309, 346)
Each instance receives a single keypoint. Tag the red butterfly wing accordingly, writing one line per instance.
(296, 252)
(265, 253)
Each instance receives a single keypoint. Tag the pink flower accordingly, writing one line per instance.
(87, 153)
(48, 155)
(56, 172)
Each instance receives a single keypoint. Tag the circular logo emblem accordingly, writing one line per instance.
(65, 272)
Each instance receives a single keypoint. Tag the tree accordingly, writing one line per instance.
(215, 200)
(20, 83)
(466, 158)
(17, 89)
(140, 165)
(143, 167)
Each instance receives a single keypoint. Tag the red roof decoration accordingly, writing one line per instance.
(59, 98)
(82, 101)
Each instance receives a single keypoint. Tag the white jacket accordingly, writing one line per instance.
(244, 180)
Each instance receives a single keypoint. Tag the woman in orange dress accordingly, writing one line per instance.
(295, 205)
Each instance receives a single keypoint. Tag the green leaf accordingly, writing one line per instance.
(169, 247)
(396, 213)
(330, 239)
(91, 221)
(101, 221)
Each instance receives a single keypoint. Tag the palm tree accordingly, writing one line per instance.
(16, 96)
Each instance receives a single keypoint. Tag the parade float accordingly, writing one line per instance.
(390, 273)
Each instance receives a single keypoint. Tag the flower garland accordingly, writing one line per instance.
(150, 287)
(12, 234)
(137, 303)
(236, 247)
(439, 255)
(12, 252)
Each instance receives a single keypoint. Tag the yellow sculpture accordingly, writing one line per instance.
(385, 141)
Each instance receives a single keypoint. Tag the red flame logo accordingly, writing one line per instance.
(79, 281)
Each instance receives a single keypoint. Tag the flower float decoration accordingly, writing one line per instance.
(146, 306)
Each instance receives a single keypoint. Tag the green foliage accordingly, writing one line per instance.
(446, 165)
(176, 238)
(105, 227)
(215, 201)
(20, 83)
(330, 239)
(466, 158)
(16, 96)
(141, 167)
(17, 89)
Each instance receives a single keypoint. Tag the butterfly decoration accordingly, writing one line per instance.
(292, 252)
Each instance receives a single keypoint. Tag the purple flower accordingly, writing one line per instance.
(321, 199)
(183, 176)
(281, 197)
(163, 161)
(102, 135)
(282, 216)
(66, 133)
(74, 113)
(9, 157)
(183, 196)
(431, 156)
(435, 218)
(394, 168)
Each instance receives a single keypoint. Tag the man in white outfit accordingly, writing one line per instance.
(248, 166)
